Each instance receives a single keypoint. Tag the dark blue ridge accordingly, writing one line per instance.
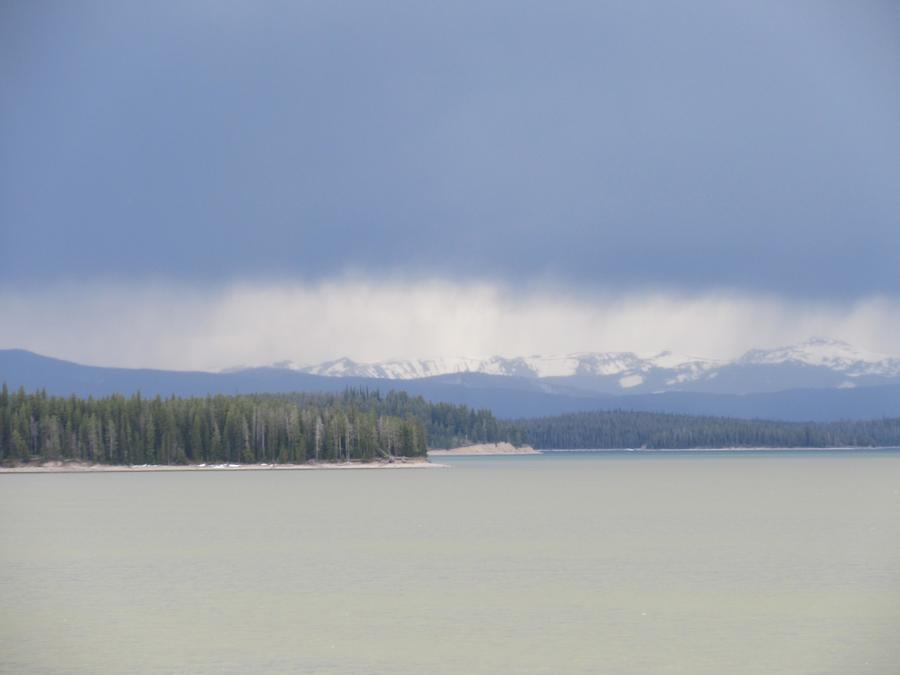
(508, 397)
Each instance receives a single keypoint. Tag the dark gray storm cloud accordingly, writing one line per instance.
(744, 145)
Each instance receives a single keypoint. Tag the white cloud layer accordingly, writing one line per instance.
(187, 327)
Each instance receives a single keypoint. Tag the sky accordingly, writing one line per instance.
(201, 184)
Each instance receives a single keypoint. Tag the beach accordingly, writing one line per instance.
(485, 449)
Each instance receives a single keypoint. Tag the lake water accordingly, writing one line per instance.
(719, 564)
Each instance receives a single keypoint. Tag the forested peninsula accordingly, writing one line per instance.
(354, 426)
(358, 426)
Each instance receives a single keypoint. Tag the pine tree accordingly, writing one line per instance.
(18, 447)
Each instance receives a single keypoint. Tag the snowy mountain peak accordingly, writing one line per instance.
(834, 354)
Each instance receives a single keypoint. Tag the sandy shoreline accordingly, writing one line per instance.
(77, 467)
(485, 449)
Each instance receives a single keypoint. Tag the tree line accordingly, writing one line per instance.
(446, 425)
(611, 429)
(242, 429)
(359, 425)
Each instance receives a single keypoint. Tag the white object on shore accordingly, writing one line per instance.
(487, 449)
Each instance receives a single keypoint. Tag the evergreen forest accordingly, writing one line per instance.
(359, 425)
(609, 429)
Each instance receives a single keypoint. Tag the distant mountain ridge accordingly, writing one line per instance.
(834, 354)
(809, 383)
(818, 362)
(624, 364)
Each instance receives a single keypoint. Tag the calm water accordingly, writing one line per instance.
(696, 564)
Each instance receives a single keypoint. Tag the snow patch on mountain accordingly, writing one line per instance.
(630, 381)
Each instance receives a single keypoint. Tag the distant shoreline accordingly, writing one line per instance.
(770, 448)
(81, 467)
(480, 450)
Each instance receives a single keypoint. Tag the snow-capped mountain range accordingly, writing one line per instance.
(625, 364)
(821, 380)
(819, 362)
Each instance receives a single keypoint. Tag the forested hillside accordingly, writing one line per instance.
(628, 429)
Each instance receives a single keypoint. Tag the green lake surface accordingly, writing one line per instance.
(760, 563)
